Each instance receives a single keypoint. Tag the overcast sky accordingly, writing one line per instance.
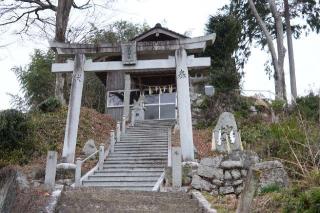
(179, 16)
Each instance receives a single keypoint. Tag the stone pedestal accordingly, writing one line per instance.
(184, 106)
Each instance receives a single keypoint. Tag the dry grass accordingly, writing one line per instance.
(223, 204)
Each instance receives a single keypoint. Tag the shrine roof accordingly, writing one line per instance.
(159, 33)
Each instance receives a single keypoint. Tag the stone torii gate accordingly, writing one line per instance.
(181, 62)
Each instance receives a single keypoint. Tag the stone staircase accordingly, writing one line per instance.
(97, 199)
(138, 160)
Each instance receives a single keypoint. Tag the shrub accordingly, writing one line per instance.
(278, 105)
(270, 188)
(51, 104)
(309, 107)
(16, 132)
(297, 200)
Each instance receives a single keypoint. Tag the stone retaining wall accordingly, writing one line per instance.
(224, 174)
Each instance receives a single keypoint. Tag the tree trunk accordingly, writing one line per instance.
(278, 73)
(281, 50)
(62, 18)
(292, 68)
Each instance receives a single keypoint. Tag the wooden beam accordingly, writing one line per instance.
(146, 65)
(192, 45)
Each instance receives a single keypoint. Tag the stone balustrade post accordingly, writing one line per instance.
(132, 117)
(51, 168)
(118, 131)
(112, 141)
(123, 124)
(101, 157)
(176, 167)
(77, 176)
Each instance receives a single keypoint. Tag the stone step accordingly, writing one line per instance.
(143, 138)
(128, 174)
(140, 152)
(142, 135)
(110, 162)
(119, 184)
(139, 158)
(131, 166)
(162, 136)
(113, 154)
(140, 148)
(153, 127)
(141, 143)
(147, 130)
(106, 199)
(136, 158)
(123, 179)
(155, 141)
(133, 144)
(131, 188)
(150, 169)
(142, 195)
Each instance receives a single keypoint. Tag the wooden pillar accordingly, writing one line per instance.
(184, 106)
(70, 137)
(127, 87)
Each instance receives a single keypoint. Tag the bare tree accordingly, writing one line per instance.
(277, 56)
(43, 14)
(293, 83)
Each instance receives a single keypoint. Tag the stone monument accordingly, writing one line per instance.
(225, 136)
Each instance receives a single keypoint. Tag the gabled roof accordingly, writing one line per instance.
(158, 33)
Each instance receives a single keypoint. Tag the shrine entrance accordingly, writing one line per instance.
(155, 64)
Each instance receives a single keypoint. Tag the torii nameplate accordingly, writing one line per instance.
(129, 53)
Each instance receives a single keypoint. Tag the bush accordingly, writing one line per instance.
(51, 104)
(309, 106)
(278, 105)
(16, 131)
(270, 188)
(297, 200)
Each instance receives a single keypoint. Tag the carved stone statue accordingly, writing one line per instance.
(225, 136)
(137, 112)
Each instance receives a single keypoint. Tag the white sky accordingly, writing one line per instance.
(180, 16)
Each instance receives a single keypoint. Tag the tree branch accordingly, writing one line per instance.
(82, 7)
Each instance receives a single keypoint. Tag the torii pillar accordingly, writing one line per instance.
(184, 106)
(71, 131)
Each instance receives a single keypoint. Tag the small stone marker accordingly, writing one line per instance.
(225, 136)
(89, 147)
(50, 176)
(176, 167)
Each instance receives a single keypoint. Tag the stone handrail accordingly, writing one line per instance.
(169, 147)
(102, 155)
(156, 187)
